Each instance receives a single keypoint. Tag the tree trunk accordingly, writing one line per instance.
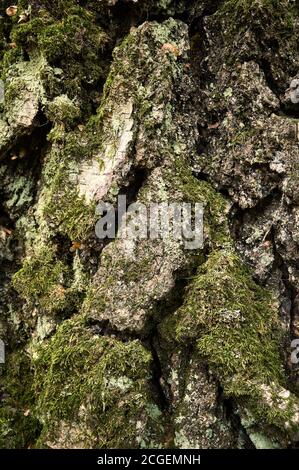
(149, 340)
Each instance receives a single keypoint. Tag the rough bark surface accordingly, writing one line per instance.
(142, 343)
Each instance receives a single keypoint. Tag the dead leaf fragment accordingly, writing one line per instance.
(23, 18)
(12, 10)
(6, 231)
(267, 244)
(214, 126)
(167, 47)
(75, 246)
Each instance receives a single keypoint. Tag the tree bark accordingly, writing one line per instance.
(141, 342)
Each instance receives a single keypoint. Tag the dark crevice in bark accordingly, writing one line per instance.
(26, 153)
(135, 180)
(271, 82)
(64, 243)
(290, 291)
(5, 221)
(24, 159)
(287, 110)
(104, 328)
(199, 46)
(291, 312)
(228, 407)
(157, 375)
(160, 394)
(175, 298)
(28, 144)
(238, 214)
(7, 227)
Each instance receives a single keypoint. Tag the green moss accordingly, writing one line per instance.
(234, 324)
(18, 426)
(61, 205)
(71, 215)
(216, 229)
(68, 212)
(63, 110)
(143, 7)
(42, 279)
(10, 56)
(13, 89)
(100, 377)
(241, 14)
(249, 343)
(49, 283)
(74, 29)
(6, 24)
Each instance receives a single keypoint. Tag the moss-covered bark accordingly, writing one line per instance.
(142, 343)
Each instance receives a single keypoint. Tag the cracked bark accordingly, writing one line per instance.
(139, 345)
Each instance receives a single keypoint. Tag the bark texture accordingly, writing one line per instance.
(142, 343)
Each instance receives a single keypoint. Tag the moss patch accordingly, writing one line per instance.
(74, 30)
(242, 13)
(42, 279)
(18, 426)
(99, 381)
(234, 325)
(60, 204)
